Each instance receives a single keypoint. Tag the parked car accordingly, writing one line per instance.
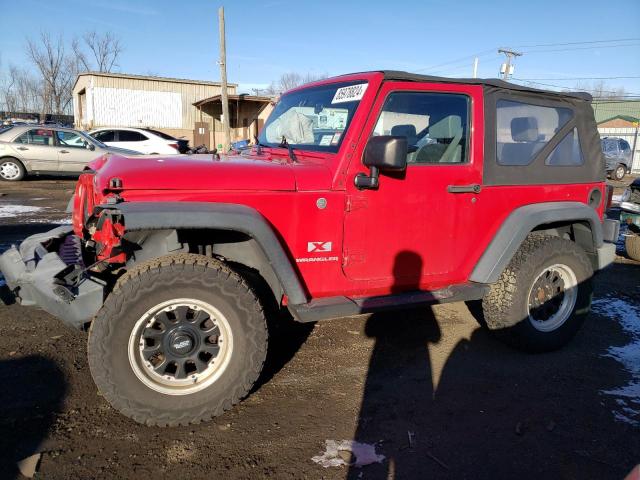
(365, 192)
(37, 149)
(618, 156)
(142, 140)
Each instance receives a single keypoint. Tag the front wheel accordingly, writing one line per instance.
(11, 170)
(542, 297)
(180, 340)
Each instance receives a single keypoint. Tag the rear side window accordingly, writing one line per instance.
(624, 146)
(567, 153)
(36, 137)
(523, 129)
(129, 136)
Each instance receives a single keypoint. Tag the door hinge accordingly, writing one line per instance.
(355, 203)
(351, 258)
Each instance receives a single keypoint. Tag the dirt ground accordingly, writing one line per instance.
(437, 395)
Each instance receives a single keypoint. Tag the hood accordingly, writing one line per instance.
(194, 172)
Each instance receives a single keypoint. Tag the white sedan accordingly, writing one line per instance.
(142, 140)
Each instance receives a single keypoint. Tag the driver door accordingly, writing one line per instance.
(415, 230)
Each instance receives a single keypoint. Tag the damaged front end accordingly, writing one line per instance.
(68, 271)
(48, 271)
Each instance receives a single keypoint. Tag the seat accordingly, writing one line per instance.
(525, 136)
(445, 136)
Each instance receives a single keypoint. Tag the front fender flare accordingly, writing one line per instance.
(147, 216)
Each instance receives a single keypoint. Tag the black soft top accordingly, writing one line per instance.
(491, 82)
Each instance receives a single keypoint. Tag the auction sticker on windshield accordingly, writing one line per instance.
(350, 93)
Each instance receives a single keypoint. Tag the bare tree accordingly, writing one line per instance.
(103, 51)
(57, 70)
(290, 80)
(601, 89)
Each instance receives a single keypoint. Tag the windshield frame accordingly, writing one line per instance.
(351, 107)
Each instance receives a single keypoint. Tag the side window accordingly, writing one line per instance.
(567, 153)
(70, 139)
(105, 136)
(36, 137)
(129, 136)
(524, 129)
(624, 146)
(436, 125)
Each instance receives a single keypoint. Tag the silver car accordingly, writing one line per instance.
(28, 149)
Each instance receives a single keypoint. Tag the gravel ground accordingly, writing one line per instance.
(436, 395)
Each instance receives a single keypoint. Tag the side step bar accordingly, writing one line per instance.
(335, 307)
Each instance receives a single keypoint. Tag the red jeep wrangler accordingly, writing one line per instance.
(364, 192)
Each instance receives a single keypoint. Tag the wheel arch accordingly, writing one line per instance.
(576, 221)
(236, 233)
(24, 164)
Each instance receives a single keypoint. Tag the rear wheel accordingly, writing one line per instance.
(180, 340)
(619, 172)
(542, 297)
(11, 170)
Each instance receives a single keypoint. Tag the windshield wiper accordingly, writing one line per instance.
(287, 145)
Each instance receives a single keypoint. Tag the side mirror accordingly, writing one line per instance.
(382, 153)
(91, 146)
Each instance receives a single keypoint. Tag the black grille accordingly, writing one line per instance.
(70, 251)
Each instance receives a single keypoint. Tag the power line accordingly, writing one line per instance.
(465, 58)
(580, 78)
(630, 94)
(581, 48)
(579, 43)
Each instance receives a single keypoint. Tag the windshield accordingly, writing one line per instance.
(314, 118)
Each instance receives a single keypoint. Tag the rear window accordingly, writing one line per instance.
(160, 134)
(523, 129)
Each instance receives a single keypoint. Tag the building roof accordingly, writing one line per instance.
(151, 78)
(605, 110)
(234, 98)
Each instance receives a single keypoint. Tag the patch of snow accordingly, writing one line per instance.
(40, 198)
(7, 211)
(628, 396)
(364, 454)
(60, 221)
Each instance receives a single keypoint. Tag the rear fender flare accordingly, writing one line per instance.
(523, 221)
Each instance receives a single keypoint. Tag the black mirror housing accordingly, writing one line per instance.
(91, 146)
(386, 152)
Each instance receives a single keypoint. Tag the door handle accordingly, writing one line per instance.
(474, 188)
(64, 151)
(23, 148)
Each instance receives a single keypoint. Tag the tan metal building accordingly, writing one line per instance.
(172, 105)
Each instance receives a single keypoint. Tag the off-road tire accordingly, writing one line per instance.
(157, 281)
(619, 172)
(632, 246)
(505, 308)
(22, 172)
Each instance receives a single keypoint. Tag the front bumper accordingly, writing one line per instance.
(31, 273)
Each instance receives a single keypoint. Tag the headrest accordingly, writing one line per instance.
(404, 131)
(524, 129)
(448, 127)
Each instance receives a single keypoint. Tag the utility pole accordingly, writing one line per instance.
(223, 77)
(507, 69)
(475, 67)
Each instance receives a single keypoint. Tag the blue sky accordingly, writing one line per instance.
(266, 38)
